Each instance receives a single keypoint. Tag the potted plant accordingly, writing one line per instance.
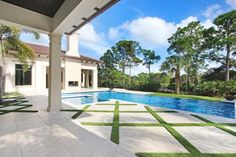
(230, 96)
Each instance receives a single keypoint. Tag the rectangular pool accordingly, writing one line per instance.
(216, 108)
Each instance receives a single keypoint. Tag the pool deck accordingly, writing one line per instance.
(91, 133)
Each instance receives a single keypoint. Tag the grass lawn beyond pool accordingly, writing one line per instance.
(198, 97)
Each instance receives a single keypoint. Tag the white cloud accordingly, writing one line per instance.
(114, 33)
(90, 39)
(186, 21)
(231, 3)
(212, 11)
(207, 23)
(151, 32)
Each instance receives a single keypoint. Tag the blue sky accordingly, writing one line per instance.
(150, 22)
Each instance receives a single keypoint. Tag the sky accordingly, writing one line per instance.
(150, 22)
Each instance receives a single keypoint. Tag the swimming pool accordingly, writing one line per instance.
(198, 106)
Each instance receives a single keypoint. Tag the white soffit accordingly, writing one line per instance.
(71, 16)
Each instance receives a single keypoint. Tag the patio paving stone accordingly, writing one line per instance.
(96, 117)
(132, 108)
(233, 128)
(209, 139)
(137, 118)
(179, 118)
(11, 107)
(149, 139)
(219, 119)
(102, 131)
(102, 107)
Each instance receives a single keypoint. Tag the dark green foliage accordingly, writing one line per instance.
(216, 88)
(217, 74)
(191, 49)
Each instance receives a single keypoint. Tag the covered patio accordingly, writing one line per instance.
(54, 18)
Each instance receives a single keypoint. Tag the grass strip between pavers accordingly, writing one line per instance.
(141, 124)
(130, 111)
(14, 110)
(174, 133)
(219, 126)
(227, 130)
(115, 125)
(158, 118)
(18, 111)
(80, 112)
(96, 124)
(202, 119)
(191, 124)
(70, 110)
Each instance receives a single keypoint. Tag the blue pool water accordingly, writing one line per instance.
(198, 106)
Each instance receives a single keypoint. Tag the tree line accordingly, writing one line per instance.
(191, 49)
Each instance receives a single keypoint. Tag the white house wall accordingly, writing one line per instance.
(72, 73)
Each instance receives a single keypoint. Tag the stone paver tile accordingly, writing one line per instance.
(233, 128)
(132, 108)
(44, 140)
(96, 117)
(102, 107)
(179, 118)
(102, 131)
(10, 151)
(154, 108)
(60, 153)
(209, 139)
(11, 107)
(149, 139)
(137, 118)
(219, 119)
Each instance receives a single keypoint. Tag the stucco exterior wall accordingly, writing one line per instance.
(72, 72)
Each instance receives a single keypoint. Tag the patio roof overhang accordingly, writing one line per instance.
(57, 16)
(54, 17)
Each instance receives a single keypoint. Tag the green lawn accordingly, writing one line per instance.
(189, 96)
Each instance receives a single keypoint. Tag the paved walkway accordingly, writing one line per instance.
(142, 131)
(111, 129)
(42, 134)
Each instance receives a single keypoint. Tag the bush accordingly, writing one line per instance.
(148, 87)
(216, 88)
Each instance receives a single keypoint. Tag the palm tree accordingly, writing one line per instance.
(10, 44)
(150, 58)
(173, 64)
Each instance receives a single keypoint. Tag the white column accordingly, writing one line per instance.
(95, 79)
(54, 91)
(87, 79)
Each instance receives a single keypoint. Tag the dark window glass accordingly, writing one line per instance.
(73, 83)
(22, 77)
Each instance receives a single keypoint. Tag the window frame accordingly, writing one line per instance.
(24, 75)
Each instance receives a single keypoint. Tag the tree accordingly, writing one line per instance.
(127, 54)
(10, 44)
(106, 69)
(150, 58)
(187, 42)
(173, 64)
(220, 42)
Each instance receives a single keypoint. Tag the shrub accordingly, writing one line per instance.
(216, 88)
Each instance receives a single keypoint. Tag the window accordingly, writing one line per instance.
(22, 77)
(73, 83)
